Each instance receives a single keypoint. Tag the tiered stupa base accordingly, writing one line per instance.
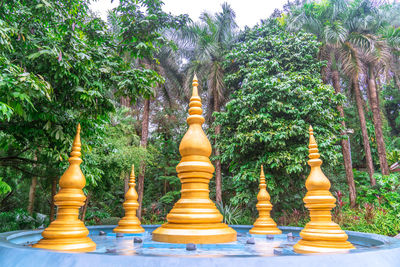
(194, 233)
(127, 227)
(66, 237)
(265, 227)
(322, 240)
(68, 244)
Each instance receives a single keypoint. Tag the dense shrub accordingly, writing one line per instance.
(20, 219)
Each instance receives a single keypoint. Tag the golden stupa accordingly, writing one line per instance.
(264, 225)
(67, 232)
(195, 218)
(321, 234)
(130, 223)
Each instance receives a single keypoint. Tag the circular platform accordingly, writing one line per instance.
(372, 250)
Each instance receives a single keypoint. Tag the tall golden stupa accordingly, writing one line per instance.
(264, 225)
(195, 218)
(321, 234)
(67, 232)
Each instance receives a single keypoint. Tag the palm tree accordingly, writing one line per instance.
(324, 22)
(377, 40)
(352, 67)
(205, 45)
(158, 61)
(165, 63)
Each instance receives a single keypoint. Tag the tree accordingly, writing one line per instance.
(60, 74)
(208, 42)
(140, 25)
(324, 20)
(279, 94)
(377, 41)
(56, 69)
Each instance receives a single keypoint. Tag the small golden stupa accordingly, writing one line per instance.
(321, 234)
(264, 225)
(195, 218)
(67, 232)
(130, 223)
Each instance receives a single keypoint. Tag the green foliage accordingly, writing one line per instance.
(162, 186)
(293, 217)
(4, 187)
(95, 216)
(231, 213)
(375, 221)
(19, 219)
(379, 209)
(391, 97)
(386, 193)
(110, 221)
(141, 23)
(67, 64)
(59, 68)
(279, 94)
(62, 66)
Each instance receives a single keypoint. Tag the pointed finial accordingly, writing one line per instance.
(195, 105)
(76, 146)
(195, 84)
(132, 179)
(313, 147)
(262, 176)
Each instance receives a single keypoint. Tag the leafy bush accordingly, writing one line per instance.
(19, 219)
(230, 213)
(385, 194)
(110, 221)
(369, 219)
(4, 187)
(293, 218)
(95, 216)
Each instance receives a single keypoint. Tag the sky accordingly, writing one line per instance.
(248, 12)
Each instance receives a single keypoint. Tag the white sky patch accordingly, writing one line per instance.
(248, 12)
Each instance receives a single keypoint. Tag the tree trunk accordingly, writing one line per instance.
(143, 143)
(32, 189)
(376, 116)
(53, 193)
(84, 209)
(345, 143)
(32, 192)
(217, 162)
(364, 132)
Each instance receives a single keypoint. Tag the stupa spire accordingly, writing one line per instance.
(321, 234)
(195, 218)
(130, 223)
(67, 232)
(262, 180)
(195, 83)
(264, 225)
